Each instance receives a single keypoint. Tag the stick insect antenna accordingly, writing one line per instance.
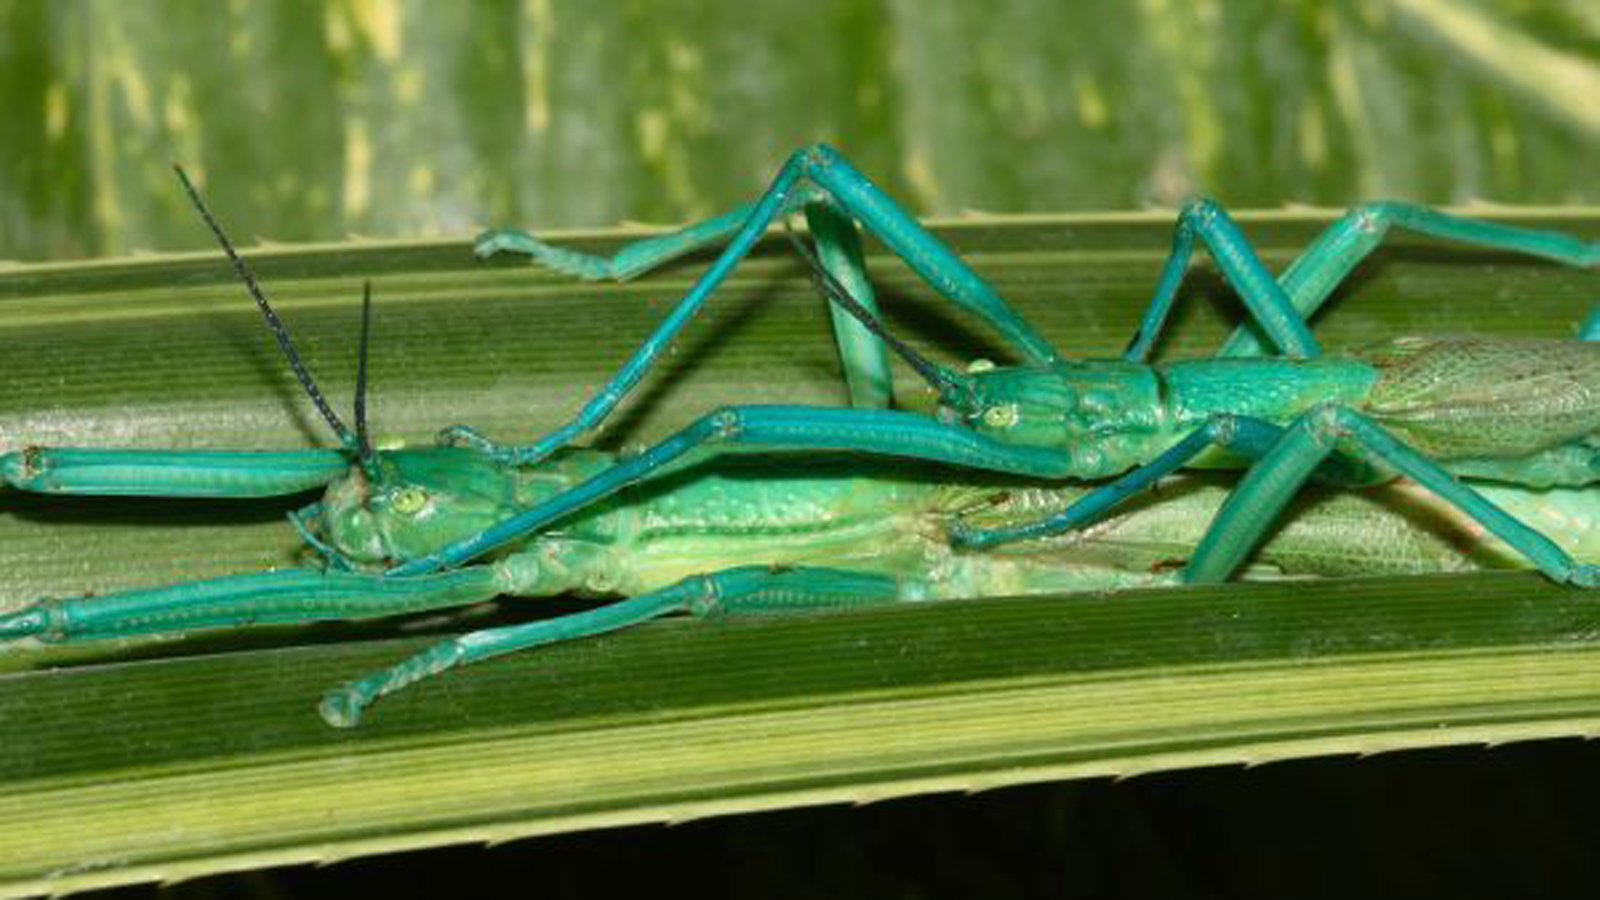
(939, 377)
(278, 329)
(363, 442)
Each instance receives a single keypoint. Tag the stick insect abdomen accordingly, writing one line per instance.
(1462, 398)
(759, 509)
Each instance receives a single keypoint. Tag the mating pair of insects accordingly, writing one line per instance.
(867, 504)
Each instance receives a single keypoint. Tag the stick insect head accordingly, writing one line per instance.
(355, 442)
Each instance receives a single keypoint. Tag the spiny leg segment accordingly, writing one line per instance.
(284, 597)
(1590, 330)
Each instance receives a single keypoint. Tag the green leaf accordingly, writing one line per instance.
(346, 117)
(178, 758)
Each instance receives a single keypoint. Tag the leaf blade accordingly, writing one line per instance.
(196, 761)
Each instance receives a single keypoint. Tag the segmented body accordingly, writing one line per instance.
(887, 518)
(409, 530)
(1428, 409)
(894, 518)
(1516, 410)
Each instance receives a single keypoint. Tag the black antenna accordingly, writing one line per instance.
(940, 378)
(363, 444)
(278, 329)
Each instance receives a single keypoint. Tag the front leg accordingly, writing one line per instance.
(635, 258)
(170, 473)
(878, 432)
(861, 355)
(288, 596)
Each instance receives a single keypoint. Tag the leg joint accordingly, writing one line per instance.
(1222, 428)
(1374, 217)
(1328, 422)
(704, 599)
(726, 423)
(1200, 210)
(813, 156)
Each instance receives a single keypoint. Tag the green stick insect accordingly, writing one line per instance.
(1432, 410)
(425, 528)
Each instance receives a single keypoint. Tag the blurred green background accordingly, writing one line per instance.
(314, 121)
(319, 120)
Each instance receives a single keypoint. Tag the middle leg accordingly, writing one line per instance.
(823, 170)
(865, 365)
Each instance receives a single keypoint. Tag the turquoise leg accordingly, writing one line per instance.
(638, 257)
(1225, 430)
(861, 354)
(866, 365)
(1268, 305)
(814, 168)
(287, 596)
(1245, 435)
(747, 589)
(1268, 486)
(882, 432)
(170, 473)
(1313, 276)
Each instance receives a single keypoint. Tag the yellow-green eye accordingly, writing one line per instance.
(1001, 416)
(409, 500)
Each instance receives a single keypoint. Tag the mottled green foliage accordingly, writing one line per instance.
(323, 119)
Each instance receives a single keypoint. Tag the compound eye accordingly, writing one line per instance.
(1004, 416)
(409, 501)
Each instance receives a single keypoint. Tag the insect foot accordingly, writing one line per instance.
(342, 706)
(511, 240)
(20, 469)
